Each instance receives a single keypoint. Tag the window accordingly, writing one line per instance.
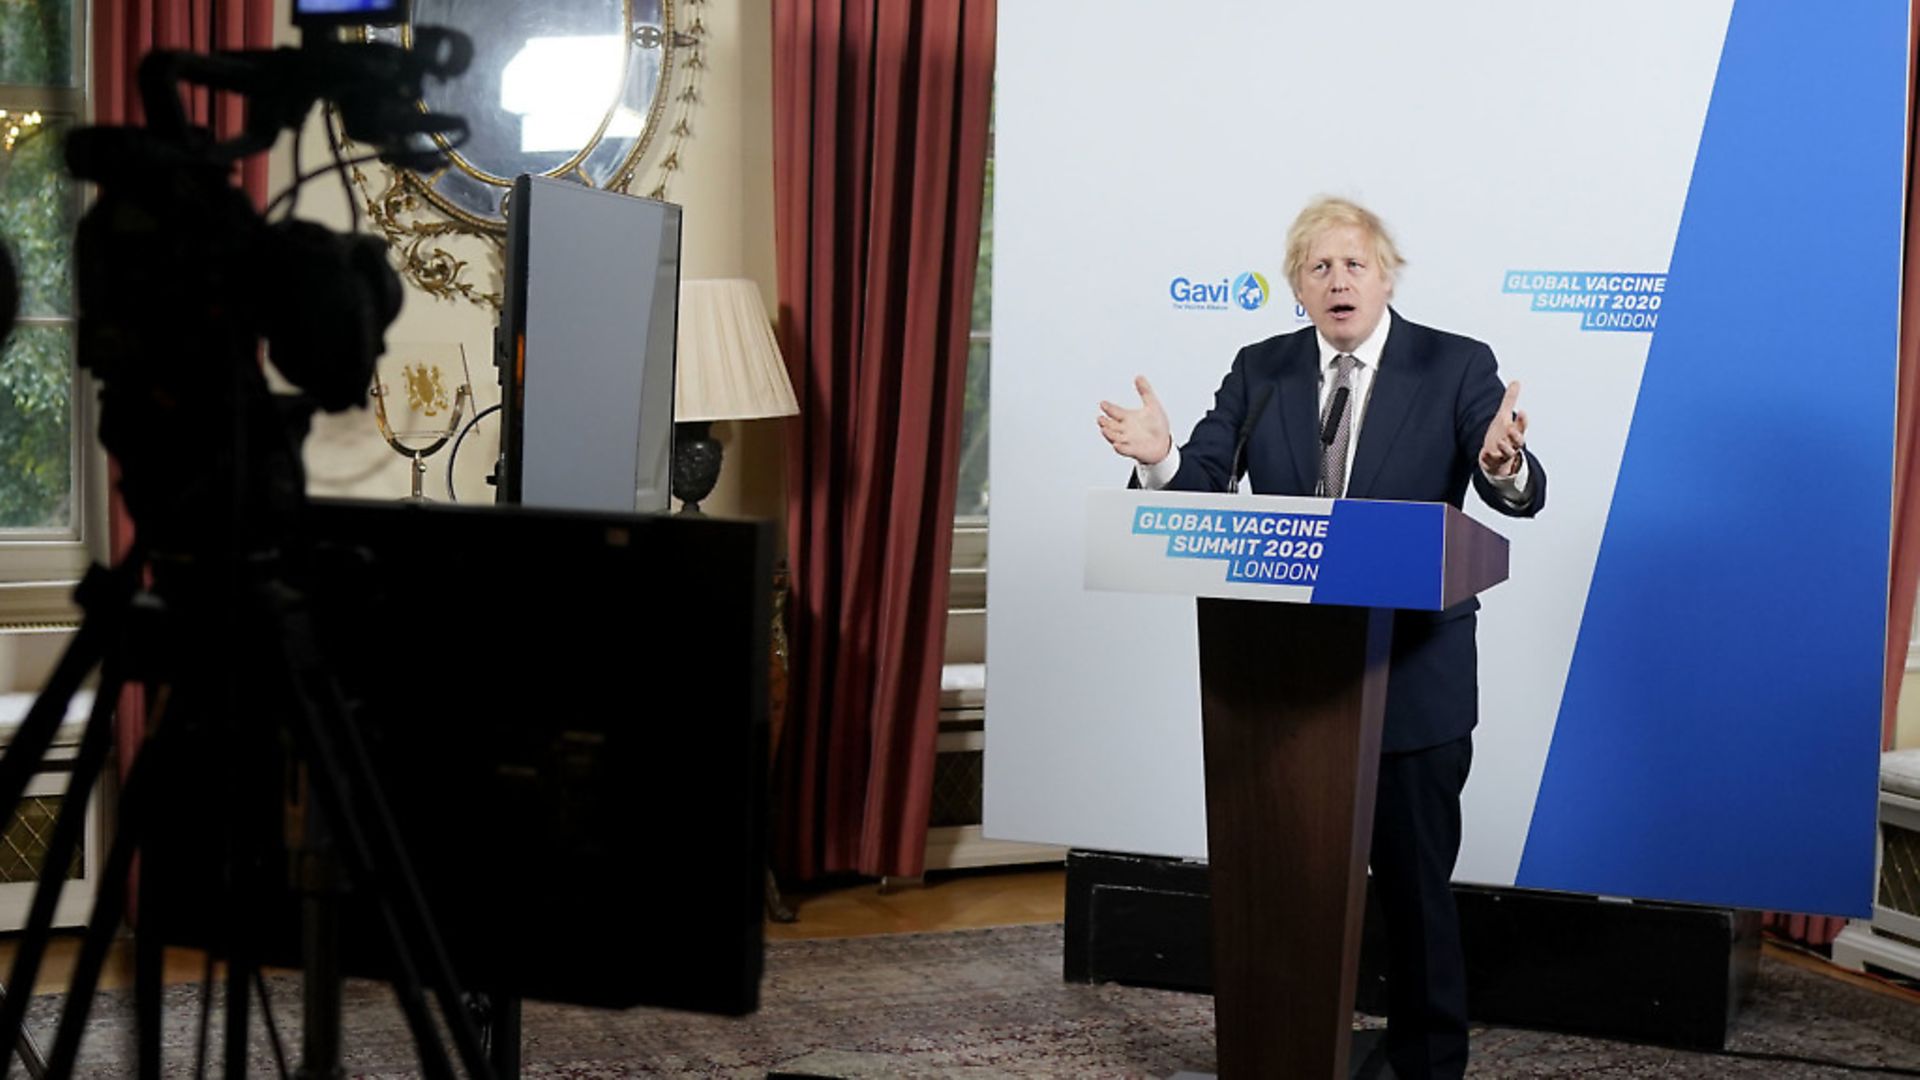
(967, 587)
(971, 505)
(45, 486)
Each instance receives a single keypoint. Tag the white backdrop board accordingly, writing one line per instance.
(1636, 204)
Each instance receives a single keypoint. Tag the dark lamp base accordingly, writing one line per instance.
(696, 463)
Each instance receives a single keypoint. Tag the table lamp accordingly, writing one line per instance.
(727, 367)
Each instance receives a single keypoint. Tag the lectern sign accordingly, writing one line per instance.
(1352, 552)
(1284, 549)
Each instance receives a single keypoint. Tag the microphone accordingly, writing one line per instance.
(1328, 429)
(1240, 443)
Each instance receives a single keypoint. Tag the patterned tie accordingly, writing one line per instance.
(1333, 463)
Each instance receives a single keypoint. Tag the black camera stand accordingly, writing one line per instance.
(271, 640)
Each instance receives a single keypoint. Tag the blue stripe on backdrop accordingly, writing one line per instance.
(1718, 738)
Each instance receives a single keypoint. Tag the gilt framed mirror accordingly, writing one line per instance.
(573, 89)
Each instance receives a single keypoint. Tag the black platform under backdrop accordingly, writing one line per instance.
(1673, 974)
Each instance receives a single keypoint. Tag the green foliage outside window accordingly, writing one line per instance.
(36, 42)
(972, 499)
(36, 411)
(36, 220)
(36, 380)
(983, 272)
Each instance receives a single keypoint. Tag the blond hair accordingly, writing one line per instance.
(1326, 213)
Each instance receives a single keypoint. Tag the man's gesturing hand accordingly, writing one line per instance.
(1141, 433)
(1500, 452)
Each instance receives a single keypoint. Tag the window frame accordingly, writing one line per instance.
(39, 567)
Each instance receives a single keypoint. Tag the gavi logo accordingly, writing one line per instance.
(1248, 292)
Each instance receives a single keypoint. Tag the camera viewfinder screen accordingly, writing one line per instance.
(349, 11)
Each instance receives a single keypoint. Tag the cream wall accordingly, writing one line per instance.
(725, 186)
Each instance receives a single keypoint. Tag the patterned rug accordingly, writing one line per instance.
(991, 1003)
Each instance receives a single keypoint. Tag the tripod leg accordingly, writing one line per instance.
(496, 1016)
(31, 1059)
(503, 1027)
(148, 985)
(109, 904)
(240, 966)
(241, 933)
(335, 801)
(206, 1013)
(149, 965)
(105, 595)
(68, 827)
(320, 949)
(273, 1029)
(400, 874)
(406, 982)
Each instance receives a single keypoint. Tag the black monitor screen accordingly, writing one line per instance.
(567, 712)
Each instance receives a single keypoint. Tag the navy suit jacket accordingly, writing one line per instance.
(1426, 415)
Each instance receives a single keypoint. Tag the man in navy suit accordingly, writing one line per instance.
(1368, 405)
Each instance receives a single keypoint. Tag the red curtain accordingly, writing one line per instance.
(1906, 467)
(1815, 930)
(880, 144)
(123, 33)
(125, 30)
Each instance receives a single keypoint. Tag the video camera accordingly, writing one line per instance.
(179, 277)
(279, 798)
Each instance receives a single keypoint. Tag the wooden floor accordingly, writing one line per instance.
(961, 901)
(56, 969)
(1806, 960)
(946, 902)
(1010, 898)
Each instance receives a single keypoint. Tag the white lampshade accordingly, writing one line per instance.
(729, 365)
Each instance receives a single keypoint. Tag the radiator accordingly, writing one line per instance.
(1890, 941)
(23, 843)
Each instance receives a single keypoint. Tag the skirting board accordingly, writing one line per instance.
(1672, 974)
(962, 847)
(1858, 948)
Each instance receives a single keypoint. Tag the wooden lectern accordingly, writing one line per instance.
(1296, 599)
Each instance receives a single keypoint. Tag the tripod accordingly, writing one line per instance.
(270, 636)
(179, 279)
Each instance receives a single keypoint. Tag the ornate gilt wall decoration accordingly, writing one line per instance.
(573, 88)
